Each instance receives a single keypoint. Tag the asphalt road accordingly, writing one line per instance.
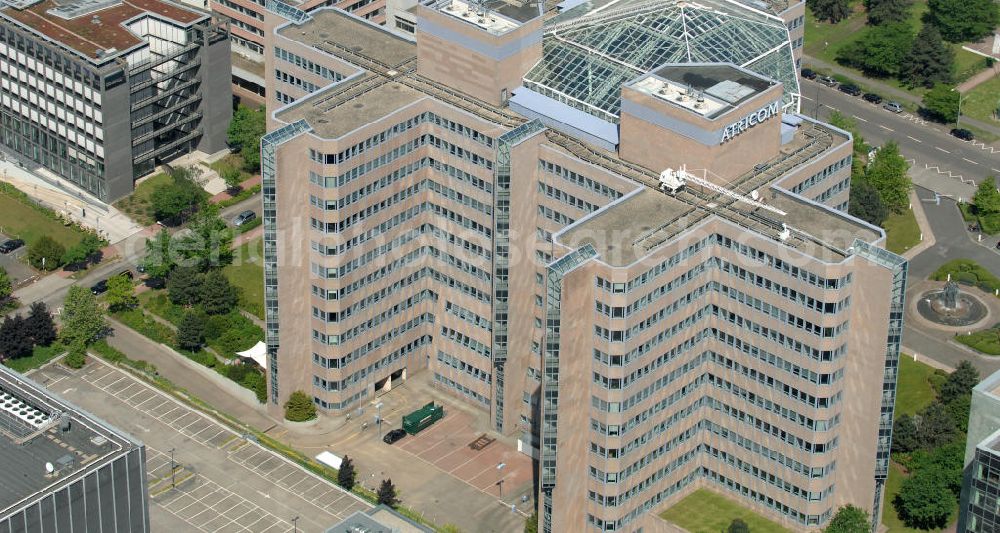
(940, 162)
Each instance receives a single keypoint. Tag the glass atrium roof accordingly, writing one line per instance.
(586, 60)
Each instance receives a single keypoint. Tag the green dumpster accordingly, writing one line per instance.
(420, 419)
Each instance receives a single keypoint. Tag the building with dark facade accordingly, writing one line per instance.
(609, 229)
(62, 470)
(100, 92)
(979, 510)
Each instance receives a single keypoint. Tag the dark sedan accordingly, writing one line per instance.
(873, 98)
(850, 88)
(11, 245)
(963, 134)
(393, 436)
(809, 74)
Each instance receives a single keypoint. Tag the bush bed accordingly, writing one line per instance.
(968, 272)
(986, 341)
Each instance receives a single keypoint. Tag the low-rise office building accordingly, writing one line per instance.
(61, 469)
(979, 510)
(100, 92)
(610, 230)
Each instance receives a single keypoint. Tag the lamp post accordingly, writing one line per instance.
(295, 525)
(173, 468)
(961, 97)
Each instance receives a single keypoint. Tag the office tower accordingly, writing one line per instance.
(100, 92)
(608, 228)
(979, 511)
(61, 469)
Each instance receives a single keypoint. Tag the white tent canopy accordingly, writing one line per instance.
(258, 353)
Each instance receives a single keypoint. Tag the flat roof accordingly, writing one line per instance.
(98, 31)
(328, 29)
(27, 444)
(635, 226)
(352, 105)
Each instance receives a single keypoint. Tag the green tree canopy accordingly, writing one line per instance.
(39, 325)
(77, 356)
(930, 60)
(84, 250)
(172, 201)
(963, 20)
(191, 332)
(299, 407)
(866, 203)
(987, 197)
(941, 103)
(924, 501)
(6, 284)
(905, 434)
(45, 251)
(159, 259)
(849, 519)
(888, 174)
(959, 383)
(937, 427)
(246, 128)
(347, 476)
(208, 245)
(829, 10)
(887, 11)
(738, 526)
(387, 494)
(233, 178)
(82, 319)
(184, 286)
(218, 296)
(880, 50)
(121, 293)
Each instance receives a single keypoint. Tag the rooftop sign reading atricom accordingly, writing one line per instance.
(749, 121)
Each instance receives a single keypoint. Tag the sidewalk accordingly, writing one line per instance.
(982, 77)
(891, 92)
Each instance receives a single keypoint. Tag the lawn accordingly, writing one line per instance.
(704, 511)
(247, 273)
(914, 390)
(902, 232)
(982, 101)
(40, 356)
(17, 218)
(138, 205)
(231, 161)
(986, 341)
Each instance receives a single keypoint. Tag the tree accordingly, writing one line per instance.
(6, 285)
(121, 293)
(14, 341)
(887, 11)
(866, 204)
(77, 356)
(941, 103)
(245, 130)
(959, 410)
(849, 519)
(233, 178)
(905, 434)
(880, 50)
(959, 383)
(888, 174)
(930, 60)
(860, 147)
(924, 501)
(218, 297)
(184, 286)
(963, 20)
(832, 11)
(82, 319)
(159, 260)
(45, 253)
(209, 244)
(299, 407)
(387, 494)
(738, 526)
(987, 197)
(347, 476)
(531, 523)
(38, 325)
(191, 332)
(81, 253)
(171, 201)
(936, 426)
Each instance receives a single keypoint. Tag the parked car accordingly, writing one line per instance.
(809, 74)
(873, 98)
(393, 436)
(850, 88)
(963, 134)
(827, 80)
(100, 287)
(244, 217)
(894, 107)
(10, 245)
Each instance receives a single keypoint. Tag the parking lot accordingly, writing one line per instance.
(16, 268)
(221, 481)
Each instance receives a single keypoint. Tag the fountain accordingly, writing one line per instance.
(949, 306)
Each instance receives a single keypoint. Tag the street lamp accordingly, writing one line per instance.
(961, 98)
(295, 525)
(173, 467)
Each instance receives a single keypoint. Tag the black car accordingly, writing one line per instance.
(100, 287)
(963, 134)
(393, 436)
(850, 89)
(244, 217)
(809, 74)
(873, 98)
(11, 245)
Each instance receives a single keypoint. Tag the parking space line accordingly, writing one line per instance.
(942, 149)
(886, 128)
(970, 161)
(914, 139)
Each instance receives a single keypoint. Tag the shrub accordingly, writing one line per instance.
(77, 356)
(969, 272)
(299, 407)
(45, 253)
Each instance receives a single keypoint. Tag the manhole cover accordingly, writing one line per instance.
(358, 106)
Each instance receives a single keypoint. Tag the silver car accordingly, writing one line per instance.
(894, 107)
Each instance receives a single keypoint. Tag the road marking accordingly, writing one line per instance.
(859, 118)
(805, 97)
(914, 139)
(995, 170)
(970, 161)
(942, 149)
(69, 390)
(886, 128)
